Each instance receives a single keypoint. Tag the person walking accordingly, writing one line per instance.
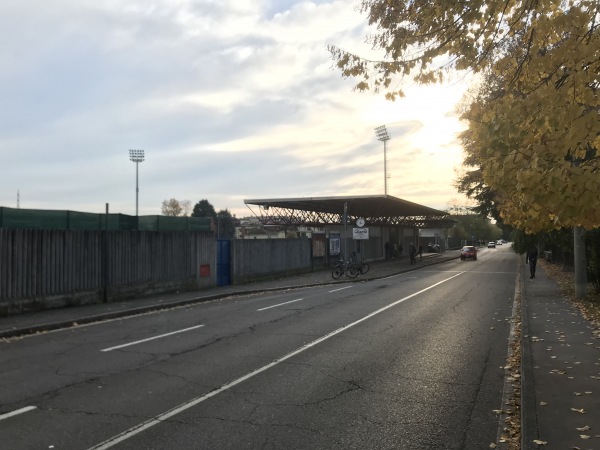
(531, 258)
(420, 252)
(388, 250)
(412, 251)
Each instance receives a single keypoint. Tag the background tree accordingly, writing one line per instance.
(204, 209)
(471, 227)
(223, 220)
(226, 224)
(172, 207)
(186, 207)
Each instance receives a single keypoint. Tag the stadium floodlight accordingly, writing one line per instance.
(382, 135)
(137, 156)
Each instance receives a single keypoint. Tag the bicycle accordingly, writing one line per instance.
(361, 265)
(345, 267)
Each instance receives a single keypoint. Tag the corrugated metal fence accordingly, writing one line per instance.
(36, 265)
(47, 268)
(256, 258)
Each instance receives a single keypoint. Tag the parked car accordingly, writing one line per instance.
(491, 244)
(468, 251)
(499, 242)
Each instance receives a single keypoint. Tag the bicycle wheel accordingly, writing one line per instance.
(352, 271)
(364, 268)
(337, 272)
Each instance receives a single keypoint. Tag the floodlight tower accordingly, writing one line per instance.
(382, 135)
(137, 156)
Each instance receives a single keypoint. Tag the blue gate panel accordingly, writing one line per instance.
(223, 262)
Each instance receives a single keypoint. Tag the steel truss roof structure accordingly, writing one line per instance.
(377, 210)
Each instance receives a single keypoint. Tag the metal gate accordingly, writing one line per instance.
(223, 262)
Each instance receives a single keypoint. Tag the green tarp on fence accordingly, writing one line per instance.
(74, 220)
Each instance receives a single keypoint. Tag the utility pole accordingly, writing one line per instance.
(345, 230)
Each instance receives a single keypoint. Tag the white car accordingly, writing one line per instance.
(491, 244)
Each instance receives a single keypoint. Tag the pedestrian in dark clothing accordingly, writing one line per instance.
(412, 251)
(420, 252)
(531, 258)
(388, 250)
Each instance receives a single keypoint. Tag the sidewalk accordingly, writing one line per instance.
(560, 379)
(28, 323)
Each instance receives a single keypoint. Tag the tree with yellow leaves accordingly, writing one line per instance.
(536, 140)
(535, 132)
(534, 127)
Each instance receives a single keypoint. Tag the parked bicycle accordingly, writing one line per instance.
(345, 267)
(361, 264)
(352, 267)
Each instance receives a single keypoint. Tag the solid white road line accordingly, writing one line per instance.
(150, 339)
(17, 412)
(507, 388)
(190, 404)
(280, 304)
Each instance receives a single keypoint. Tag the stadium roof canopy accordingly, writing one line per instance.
(377, 210)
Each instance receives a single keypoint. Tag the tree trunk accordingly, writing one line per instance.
(580, 262)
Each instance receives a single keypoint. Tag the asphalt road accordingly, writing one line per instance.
(413, 361)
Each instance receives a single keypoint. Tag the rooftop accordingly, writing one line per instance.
(377, 210)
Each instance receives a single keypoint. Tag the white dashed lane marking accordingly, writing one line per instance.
(280, 304)
(17, 412)
(150, 339)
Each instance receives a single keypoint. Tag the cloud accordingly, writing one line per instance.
(229, 100)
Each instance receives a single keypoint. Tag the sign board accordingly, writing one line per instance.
(318, 245)
(334, 244)
(360, 233)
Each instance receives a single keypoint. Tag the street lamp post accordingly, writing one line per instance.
(382, 135)
(137, 156)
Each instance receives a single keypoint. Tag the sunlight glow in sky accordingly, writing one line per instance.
(229, 100)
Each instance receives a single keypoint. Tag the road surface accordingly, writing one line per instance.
(414, 361)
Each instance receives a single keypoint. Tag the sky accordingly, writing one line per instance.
(230, 100)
